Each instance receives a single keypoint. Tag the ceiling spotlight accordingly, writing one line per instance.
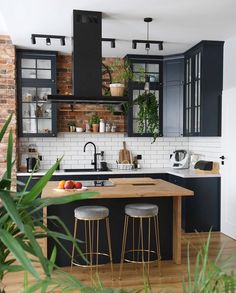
(48, 41)
(160, 46)
(134, 45)
(112, 41)
(33, 39)
(48, 38)
(63, 43)
(147, 46)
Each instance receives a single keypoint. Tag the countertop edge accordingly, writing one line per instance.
(184, 173)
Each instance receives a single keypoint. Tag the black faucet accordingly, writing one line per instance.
(94, 162)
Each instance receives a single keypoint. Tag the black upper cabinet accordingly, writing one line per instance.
(173, 83)
(203, 89)
(144, 66)
(36, 79)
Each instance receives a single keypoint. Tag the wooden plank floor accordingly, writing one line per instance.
(171, 274)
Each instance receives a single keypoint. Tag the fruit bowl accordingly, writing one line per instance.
(70, 185)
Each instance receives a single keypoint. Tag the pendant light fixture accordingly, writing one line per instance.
(147, 48)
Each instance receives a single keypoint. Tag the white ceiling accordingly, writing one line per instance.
(179, 23)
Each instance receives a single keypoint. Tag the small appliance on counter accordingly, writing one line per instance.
(33, 160)
(180, 159)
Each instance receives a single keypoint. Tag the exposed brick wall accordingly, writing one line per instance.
(81, 112)
(7, 93)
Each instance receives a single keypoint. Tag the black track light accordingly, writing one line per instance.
(113, 44)
(63, 43)
(112, 41)
(134, 45)
(48, 41)
(147, 46)
(160, 46)
(33, 40)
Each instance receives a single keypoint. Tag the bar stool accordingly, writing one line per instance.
(140, 212)
(92, 216)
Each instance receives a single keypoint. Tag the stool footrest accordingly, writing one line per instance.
(138, 252)
(93, 265)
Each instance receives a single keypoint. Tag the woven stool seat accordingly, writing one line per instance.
(141, 210)
(91, 212)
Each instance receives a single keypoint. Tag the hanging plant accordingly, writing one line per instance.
(148, 115)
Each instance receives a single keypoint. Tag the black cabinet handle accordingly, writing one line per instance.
(222, 157)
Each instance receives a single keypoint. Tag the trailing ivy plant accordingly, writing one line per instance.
(148, 115)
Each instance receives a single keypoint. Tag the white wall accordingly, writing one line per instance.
(229, 64)
(71, 146)
(153, 155)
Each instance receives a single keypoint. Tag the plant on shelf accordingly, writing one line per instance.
(72, 125)
(94, 122)
(121, 73)
(148, 114)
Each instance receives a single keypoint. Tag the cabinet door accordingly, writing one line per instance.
(36, 80)
(173, 80)
(37, 68)
(192, 96)
(144, 68)
(36, 111)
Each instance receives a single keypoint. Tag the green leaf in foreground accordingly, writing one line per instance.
(18, 252)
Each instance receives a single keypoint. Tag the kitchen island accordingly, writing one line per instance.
(166, 195)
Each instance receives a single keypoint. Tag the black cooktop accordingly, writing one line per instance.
(97, 183)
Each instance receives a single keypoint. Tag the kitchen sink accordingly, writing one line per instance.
(83, 170)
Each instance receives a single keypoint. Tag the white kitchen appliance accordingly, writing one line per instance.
(180, 159)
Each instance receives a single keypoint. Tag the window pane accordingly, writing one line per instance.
(42, 93)
(152, 68)
(28, 110)
(43, 74)
(28, 94)
(44, 126)
(28, 63)
(29, 126)
(44, 64)
(28, 73)
(135, 126)
(138, 67)
(43, 110)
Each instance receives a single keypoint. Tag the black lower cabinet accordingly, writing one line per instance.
(202, 211)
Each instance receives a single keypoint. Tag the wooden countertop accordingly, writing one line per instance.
(160, 188)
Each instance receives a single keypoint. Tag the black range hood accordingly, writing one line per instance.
(86, 61)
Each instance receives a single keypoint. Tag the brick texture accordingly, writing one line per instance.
(7, 93)
(80, 113)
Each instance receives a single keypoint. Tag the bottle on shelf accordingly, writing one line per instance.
(102, 126)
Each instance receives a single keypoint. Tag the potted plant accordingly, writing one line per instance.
(148, 115)
(94, 122)
(121, 73)
(72, 126)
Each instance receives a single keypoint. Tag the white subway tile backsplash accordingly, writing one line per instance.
(154, 155)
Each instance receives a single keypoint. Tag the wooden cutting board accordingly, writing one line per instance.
(141, 180)
(125, 155)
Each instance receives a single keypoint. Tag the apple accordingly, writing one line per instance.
(78, 185)
(69, 184)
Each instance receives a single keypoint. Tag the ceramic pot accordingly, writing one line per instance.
(95, 127)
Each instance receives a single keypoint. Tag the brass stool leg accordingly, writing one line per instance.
(123, 244)
(90, 248)
(149, 240)
(109, 244)
(73, 247)
(142, 246)
(133, 240)
(139, 241)
(157, 236)
(97, 245)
